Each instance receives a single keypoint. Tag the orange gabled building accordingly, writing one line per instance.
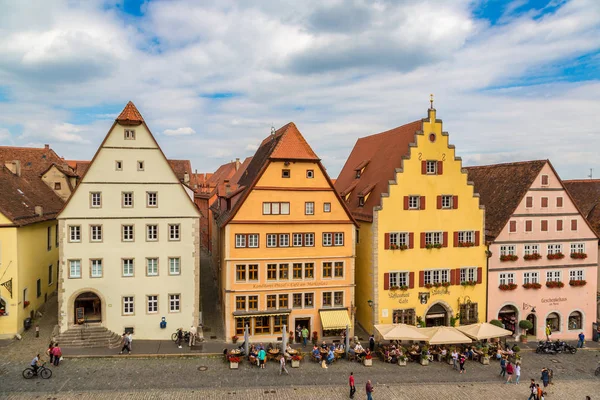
(286, 244)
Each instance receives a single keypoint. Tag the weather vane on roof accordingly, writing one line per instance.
(272, 129)
(431, 101)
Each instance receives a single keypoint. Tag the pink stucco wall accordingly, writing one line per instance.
(562, 301)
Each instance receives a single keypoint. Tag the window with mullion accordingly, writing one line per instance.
(338, 299)
(240, 272)
(578, 248)
(297, 240)
(271, 272)
(338, 271)
(553, 276)
(327, 299)
(297, 271)
(284, 271)
(309, 270)
(284, 240)
(271, 240)
(327, 269)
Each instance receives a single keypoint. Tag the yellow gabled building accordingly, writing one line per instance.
(421, 257)
(286, 244)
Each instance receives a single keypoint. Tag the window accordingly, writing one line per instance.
(431, 167)
(75, 233)
(468, 275)
(140, 165)
(240, 325)
(545, 180)
(309, 239)
(240, 303)
(309, 208)
(174, 232)
(554, 248)
(310, 173)
(174, 302)
(253, 272)
(575, 320)
(512, 226)
(559, 225)
(50, 274)
(284, 240)
(285, 173)
(271, 240)
(127, 264)
(262, 325)
(151, 199)
(414, 202)
(338, 271)
(466, 237)
(152, 304)
(327, 239)
(39, 287)
(398, 239)
(297, 239)
(559, 202)
(96, 199)
(327, 299)
(553, 276)
(151, 233)
(297, 271)
(309, 270)
(118, 165)
(240, 272)
(361, 201)
(531, 249)
(468, 313)
(49, 238)
(56, 185)
(506, 278)
(253, 240)
(326, 207)
(127, 200)
(252, 303)
(508, 250)
(528, 225)
(436, 276)
(544, 225)
(308, 300)
(531, 277)
(96, 269)
(338, 239)
(553, 319)
(283, 301)
(284, 271)
(127, 233)
(446, 201)
(240, 240)
(578, 248)
(529, 202)
(276, 208)
(297, 300)
(544, 202)
(327, 269)
(129, 134)
(96, 233)
(433, 238)
(152, 266)
(405, 316)
(271, 272)
(174, 266)
(573, 224)
(271, 301)
(398, 279)
(576, 275)
(128, 305)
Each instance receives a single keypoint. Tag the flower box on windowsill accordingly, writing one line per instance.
(556, 256)
(430, 246)
(510, 286)
(404, 287)
(554, 284)
(466, 244)
(577, 282)
(398, 247)
(509, 257)
(26, 304)
(532, 257)
(468, 283)
(532, 285)
(579, 256)
(428, 285)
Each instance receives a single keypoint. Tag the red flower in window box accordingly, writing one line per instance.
(234, 359)
(428, 285)
(532, 256)
(556, 256)
(510, 286)
(509, 257)
(577, 282)
(26, 303)
(466, 244)
(437, 284)
(554, 284)
(579, 256)
(532, 285)
(445, 284)
(468, 283)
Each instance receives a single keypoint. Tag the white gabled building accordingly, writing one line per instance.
(129, 238)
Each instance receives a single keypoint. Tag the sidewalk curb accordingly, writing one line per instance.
(186, 355)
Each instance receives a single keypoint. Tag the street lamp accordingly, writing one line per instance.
(370, 303)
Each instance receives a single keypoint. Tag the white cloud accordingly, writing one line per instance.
(180, 131)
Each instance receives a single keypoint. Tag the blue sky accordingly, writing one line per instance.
(513, 80)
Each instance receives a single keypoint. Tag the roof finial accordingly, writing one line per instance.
(272, 130)
(431, 101)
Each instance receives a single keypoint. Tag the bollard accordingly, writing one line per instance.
(37, 331)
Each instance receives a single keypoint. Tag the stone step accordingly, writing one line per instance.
(90, 337)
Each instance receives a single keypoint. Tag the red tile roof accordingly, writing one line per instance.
(380, 155)
(586, 195)
(180, 167)
(292, 145)
(34, 160)
(130, 115)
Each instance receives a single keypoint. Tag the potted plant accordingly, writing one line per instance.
(402, 360)
(235, 338)
(505, 287)
(394, 246)
(428, 285)
(497, 323)
(532, 257)
(509, 257)
(446, 284)
(420, 322)
(234, 362)
(437, 245)
(485, 355)
(554, 284)
(296, 361)
(394, 287)
(315, 338)
(525, 325)
(533, 285)
(579, 256)
(429, 246)
(368, 360)
(454, 319)
(424, 356)
(577, 282)
(437, 284)
(403, 247)
(556, 256)
(403, 287)
(26, 303)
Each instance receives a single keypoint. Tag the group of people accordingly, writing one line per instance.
(54, 352)
(536, 392)
(126, 340)
(368, 387)
(510, 369)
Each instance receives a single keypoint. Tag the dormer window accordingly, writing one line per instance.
(129, 134)
(56, 185)
(361, 201)
(285, 173)
(358, 174)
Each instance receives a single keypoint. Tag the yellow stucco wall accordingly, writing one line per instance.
(364, 275)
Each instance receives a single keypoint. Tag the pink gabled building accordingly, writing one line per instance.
(543, 254)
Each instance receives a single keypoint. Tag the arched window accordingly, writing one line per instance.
(3, 307)
(575, 320)
(553, 319)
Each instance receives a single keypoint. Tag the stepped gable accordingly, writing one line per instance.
(501, 188)
(130, 115)
(380, 155)
(586, 195)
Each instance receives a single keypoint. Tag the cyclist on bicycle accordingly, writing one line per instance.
(36, 363)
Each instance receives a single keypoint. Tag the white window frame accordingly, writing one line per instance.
(174, 303)
(327, 239)
(151, 199)
(174, 262)
(434, 238)
(152, 266)
(152, 304)
(127, 233)
(399, 279)
(129, 134)
(466, 236)
(128, 305)
(240, 240)
(506, 278)
(508, 250)
(530, 249)
(338, 238)
(95, 233)
(271, 240)
(468, 274)
(577, 248)
(309, 208)
(74, 269)
(432, 276)
(554, 275)
(326, 207)
(309, 238)
(152, 233)
(127, 199)
(253, 240)
(284, 240)
(96, 199)
(174, 232)
(276, 208)
(126, 265)
(554, 248)
(531, 277)
(431, 167)
(576, 274)
(399, 239)
(96, 270)
(297, 239)
(446, 201)
(414, 202)
(75, 233)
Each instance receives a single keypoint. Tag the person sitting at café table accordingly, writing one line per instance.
(358, 348)
(252, 355)
(288, 349)
(324, 345)
(469, 353)
(394, 356)
(316, 353)
(330, 357)
(499, 352)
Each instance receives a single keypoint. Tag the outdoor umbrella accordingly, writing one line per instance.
(444, 335)
(400, 332)
(483, 330)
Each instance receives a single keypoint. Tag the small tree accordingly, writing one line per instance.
(525, 325)
(496, 323)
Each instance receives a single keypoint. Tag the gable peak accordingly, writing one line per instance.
(130, 115)
(292, 145)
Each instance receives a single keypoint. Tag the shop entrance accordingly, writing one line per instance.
(88, 308)
(302, 323)
(436, 316)
(531, 318)
(508, 316)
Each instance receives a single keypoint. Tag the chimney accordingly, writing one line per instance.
(47, 146)
(186, 178)
(39, 211)
(227, 186)
(237, 164)
(14, 167)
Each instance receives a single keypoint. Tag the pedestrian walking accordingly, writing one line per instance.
(179, 337)
(130, 337)
(509, 371)
(454, 359)
(57, 353)
(193, 333)
(532, 391)
(503, 367)
(581, 340)
(351, 383)
(369, 390)
(372, 343)
(540, 392)
(304, 336)
(49, 352)
(282, 366)
(545, 377)
(126, 341)
(298, 334)
(461, 361)
(517, 373)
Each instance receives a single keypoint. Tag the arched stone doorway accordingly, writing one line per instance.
(437, 315)
(87, 308)
(508, 315)
(532, 318)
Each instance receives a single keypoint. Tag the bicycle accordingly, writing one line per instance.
(44, 372)
(185, 338)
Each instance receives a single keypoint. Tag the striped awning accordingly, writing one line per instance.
(260, 314)
(335, 319)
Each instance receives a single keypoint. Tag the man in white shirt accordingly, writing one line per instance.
(454, 359)
(193, 333)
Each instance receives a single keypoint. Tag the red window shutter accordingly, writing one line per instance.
(406, 202)
(423, 167)
(559, 225)
(386, 281)
(513, 226)
(421, 278)
(477, 237)
(452, 277)
(529, 201)
(439, 202)
(544, 180)
(573, 224)
(411, 280)
(528, 226)
(479, 275)
(440, 167)
(411, 241)
(457, 276)
(544, 202)
(386, 245)
(455, 239)
(422, 240)
(445, 239)
(455, 202)
(544, 225)
(559, 202)
(422, 202)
